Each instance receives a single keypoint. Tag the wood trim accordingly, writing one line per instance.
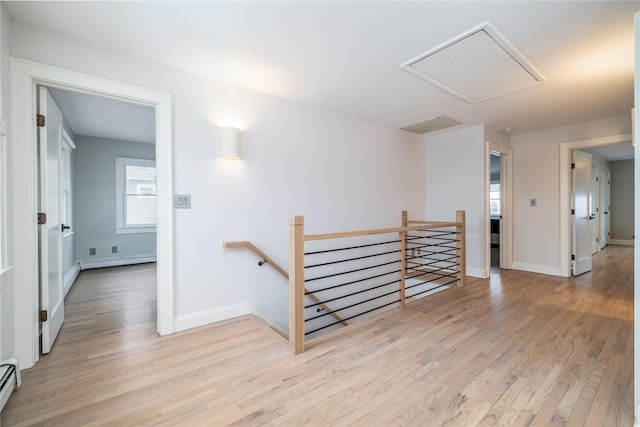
(403, 260)
(462, 250)
(296, 284)
(262, 255)
(327, 236)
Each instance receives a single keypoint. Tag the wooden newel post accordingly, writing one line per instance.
(296, 284)
(403, 259)
(461, 246)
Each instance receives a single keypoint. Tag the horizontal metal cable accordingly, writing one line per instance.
(432, 289)
(352, 259)
(433, 261)
(422, 246)
(431, 281)
(352, 271)
(352, 294)
(448, 242)
(351, 247)
(349, 306)
(351, 317)
(442, 244)
(428, 255)
(315, 291)
(440, 275)
(439, 232)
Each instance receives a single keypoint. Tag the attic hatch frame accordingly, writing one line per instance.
(26, 77)
(501, 43)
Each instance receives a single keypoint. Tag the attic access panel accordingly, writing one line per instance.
(475, 66)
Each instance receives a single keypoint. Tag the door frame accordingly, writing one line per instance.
(25, 77)
(565, 191)
(506, 231)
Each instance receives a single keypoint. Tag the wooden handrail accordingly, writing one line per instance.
(262, 255)
(282, 271)
(427, 226)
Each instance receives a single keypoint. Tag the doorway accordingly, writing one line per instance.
(495, 205)
(26, 77)
(499, 240)
(105, 215)
(612, 147)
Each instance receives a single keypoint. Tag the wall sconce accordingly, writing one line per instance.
(230, 143)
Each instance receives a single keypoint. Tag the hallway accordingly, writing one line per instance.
(517, 349)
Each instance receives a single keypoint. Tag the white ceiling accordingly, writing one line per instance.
(346, 56)
(622, 151)
(102, 117)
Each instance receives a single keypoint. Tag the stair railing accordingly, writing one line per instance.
(430, 250)
(266, 259)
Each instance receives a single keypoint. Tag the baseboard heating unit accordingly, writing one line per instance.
(10, 379)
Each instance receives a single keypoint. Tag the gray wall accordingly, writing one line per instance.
(94, 203)
(622, 198)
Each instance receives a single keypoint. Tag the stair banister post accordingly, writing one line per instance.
(461, 246)
(403, 259)
(296, 284)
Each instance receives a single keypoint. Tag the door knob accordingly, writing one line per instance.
(65, 227)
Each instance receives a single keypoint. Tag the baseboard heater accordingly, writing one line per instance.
(10, 379)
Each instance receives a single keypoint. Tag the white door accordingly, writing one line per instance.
(51, 289)
(605, 184)
(594, 206)
(581, 175)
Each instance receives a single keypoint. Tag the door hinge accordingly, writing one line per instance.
(573, 211)
(40, 120)
(43, 316)
(573, 257)
(597, 179)
(42, 218)
(573, 165)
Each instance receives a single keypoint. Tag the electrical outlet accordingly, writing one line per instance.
(114, 249)
(92, 251)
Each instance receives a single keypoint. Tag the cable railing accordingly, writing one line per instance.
(265, 259)
(360, 273)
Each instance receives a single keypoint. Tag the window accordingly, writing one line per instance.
(66, 207)
(494, 199)
(135, 195)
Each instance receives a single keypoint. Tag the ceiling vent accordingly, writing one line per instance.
(475, 66)
(432, 125)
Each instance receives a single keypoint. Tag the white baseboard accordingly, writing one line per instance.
(114, 262)
(205, 317)
(620, 242)
(70, 277)
(533, 268)
(477, 272)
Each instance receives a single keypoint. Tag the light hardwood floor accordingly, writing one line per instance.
(521, 349)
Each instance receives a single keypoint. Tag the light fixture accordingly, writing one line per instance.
(230, 143)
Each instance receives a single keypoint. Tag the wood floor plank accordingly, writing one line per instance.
(517, 349)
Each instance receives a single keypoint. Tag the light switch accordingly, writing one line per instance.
(182, 201)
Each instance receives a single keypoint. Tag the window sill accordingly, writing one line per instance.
(135, 230)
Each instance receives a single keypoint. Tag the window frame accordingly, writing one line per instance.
(121, 181)
(66, 207)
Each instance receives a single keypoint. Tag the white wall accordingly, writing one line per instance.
(457, 179)
(339, 172)
(94, 219)
(536, 175)
(622, 201)
(7, 328)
